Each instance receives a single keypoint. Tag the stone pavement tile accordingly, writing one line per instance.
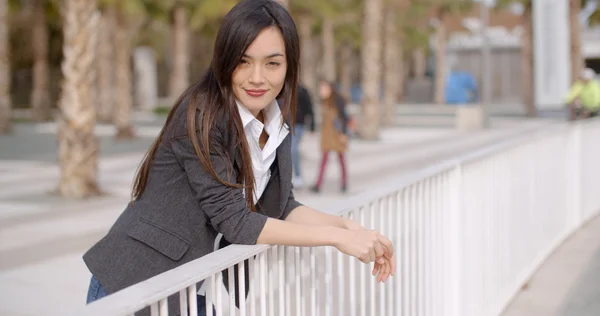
(568, 282)
(46, 288)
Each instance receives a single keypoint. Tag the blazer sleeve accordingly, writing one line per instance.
(225, 206)
(290, 205)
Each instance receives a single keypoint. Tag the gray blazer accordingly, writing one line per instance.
(183, 208)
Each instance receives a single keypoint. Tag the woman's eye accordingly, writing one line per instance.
(274, 64)
(244, 62)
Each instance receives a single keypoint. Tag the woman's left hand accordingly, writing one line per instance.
(384, 266)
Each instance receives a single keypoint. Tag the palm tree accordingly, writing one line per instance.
(184, 17)
(180, 30)
(40, 94)
(393, 79)
(527, 59)
(106, 86)
(5, 103)
(77, 144)
(575, 34)
(371, 69)
(123, 72)
(129, 16)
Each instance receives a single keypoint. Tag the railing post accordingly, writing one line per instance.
(455, 290)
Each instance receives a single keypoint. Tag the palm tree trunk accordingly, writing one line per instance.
(105, 66)
(179, 80)
(123, 92)
(346, 70)
(329, 71)
(5, 103)
(40, 94)
(420, 63)
(392, 70)
(577, 62)
(440, 65)
(77, 144)
(307, 61)
(527, 60)
(371, 70)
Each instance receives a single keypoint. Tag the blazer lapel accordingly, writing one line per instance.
(284, 164)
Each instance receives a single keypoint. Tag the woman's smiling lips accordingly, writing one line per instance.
(256, 92)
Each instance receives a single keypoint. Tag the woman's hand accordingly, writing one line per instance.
(366, 245)
(385, 265)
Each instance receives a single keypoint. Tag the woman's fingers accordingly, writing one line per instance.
(386, 243)
(392, 261)
(380, 249)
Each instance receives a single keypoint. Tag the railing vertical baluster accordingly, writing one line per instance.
(372, 296)
(193, 301)
(391, 216)
(427, 231)
(421, 241)
(381, 212)
(341, 289)
(304, 287)
(231, 281)
(399, 251)
(163, 306)
(154, 310)
(253, 284)
(271, 265)
(289, 254)
(216, 285)
(363, 271)
(414, 303)
(328, 281)
(281, 279)
(298, 278)
(262, 275)
(407, 252)
(183, 305)
(242, 287)
(313, 281)
(352, 279)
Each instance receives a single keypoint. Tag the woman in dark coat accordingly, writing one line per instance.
(222, 165)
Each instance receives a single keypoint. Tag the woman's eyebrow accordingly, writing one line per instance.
(268, 56)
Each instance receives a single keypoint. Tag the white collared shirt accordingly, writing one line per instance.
(262, 159)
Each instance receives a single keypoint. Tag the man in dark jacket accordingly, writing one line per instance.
(305, 118)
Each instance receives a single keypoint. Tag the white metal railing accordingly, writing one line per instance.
(468, 233)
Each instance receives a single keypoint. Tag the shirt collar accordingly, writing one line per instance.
(272, 115)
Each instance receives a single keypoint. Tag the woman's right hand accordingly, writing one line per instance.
(366, 245)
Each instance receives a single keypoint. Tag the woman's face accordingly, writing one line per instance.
(324, 90)
(260, 76)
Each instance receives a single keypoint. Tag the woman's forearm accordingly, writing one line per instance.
(308, 216)
(278, 232)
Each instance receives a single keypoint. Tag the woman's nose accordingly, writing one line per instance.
(257, 75)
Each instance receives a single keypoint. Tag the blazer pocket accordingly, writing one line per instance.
(159, 239)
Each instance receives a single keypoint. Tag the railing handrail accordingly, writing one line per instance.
(140, 295)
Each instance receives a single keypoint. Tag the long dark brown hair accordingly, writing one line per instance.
(214, 94)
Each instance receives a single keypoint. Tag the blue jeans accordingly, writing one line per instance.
(96, 292)
(298, 131)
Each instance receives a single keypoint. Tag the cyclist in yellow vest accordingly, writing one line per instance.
(584, 97)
